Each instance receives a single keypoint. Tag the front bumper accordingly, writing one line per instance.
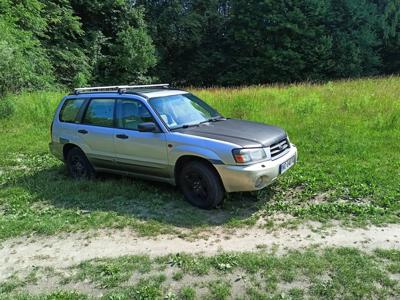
(252, 177)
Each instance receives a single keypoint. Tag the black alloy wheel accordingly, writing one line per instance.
(201, 185)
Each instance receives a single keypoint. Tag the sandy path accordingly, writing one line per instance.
(68, 249)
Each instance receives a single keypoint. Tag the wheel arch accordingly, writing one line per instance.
(185, 159)
(67, 147)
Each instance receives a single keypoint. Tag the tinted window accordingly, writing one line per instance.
(131, 113)
(100, 112)
(70, 110)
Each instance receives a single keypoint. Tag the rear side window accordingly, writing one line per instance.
(100, 112)
(70, 110)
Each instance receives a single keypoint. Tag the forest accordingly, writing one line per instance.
(65, 43)
(326, 71)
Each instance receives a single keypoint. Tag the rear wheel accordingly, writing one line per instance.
(201, 185)
(78, 165)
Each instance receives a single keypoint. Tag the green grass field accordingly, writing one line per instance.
(347, 133)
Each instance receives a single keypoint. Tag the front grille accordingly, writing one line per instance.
(280, 148)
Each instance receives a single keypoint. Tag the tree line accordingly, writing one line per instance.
(190, 42)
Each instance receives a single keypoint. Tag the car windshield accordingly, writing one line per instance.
(179, 111)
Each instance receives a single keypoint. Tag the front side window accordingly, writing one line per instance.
(182, 110)
(100, 112)
(131, 113)
(70, 110)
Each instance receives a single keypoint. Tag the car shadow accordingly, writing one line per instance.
(133, 198)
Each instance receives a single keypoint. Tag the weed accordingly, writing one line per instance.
(219, 290)
(111, 272)
(187, 293)
(177, 276)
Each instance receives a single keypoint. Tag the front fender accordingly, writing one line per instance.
(182, 150)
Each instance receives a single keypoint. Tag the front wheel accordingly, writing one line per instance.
(201, 185)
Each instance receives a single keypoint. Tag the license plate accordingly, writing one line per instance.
(287, 164)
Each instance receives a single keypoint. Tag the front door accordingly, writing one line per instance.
(138, 152)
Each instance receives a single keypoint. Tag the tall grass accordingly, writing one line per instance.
(27, 128)
(347, 133)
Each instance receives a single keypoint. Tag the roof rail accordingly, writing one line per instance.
(118, 88)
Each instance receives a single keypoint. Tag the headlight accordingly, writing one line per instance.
(249, 155)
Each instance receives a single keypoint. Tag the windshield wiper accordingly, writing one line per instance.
(214, 119)
(185, 126)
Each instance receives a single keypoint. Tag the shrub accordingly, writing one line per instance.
(23, 63)
(7, 108)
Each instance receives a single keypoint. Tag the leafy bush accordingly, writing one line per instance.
(236, 42)
(72, 43)
(23, 63)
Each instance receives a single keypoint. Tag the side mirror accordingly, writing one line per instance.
(147, 127)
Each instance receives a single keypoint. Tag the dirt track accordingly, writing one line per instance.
(68, 249)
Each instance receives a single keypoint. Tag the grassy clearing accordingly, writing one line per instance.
(339, 273)
(347, 134)
(349, 165)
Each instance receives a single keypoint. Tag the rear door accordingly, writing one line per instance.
(139, 152)
(97, 132)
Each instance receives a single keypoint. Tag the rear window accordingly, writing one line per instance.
(100, 112)
(70, 110)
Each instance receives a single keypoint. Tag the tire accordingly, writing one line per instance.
(201, 185)
(78, 165)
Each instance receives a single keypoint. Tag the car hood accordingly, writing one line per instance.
(242, 133)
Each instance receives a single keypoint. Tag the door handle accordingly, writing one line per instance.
(83, 131)
(122, 136)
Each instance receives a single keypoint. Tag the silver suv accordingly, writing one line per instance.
(167, 135)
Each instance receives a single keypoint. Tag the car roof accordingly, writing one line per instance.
(146, 93)
(152, 93)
